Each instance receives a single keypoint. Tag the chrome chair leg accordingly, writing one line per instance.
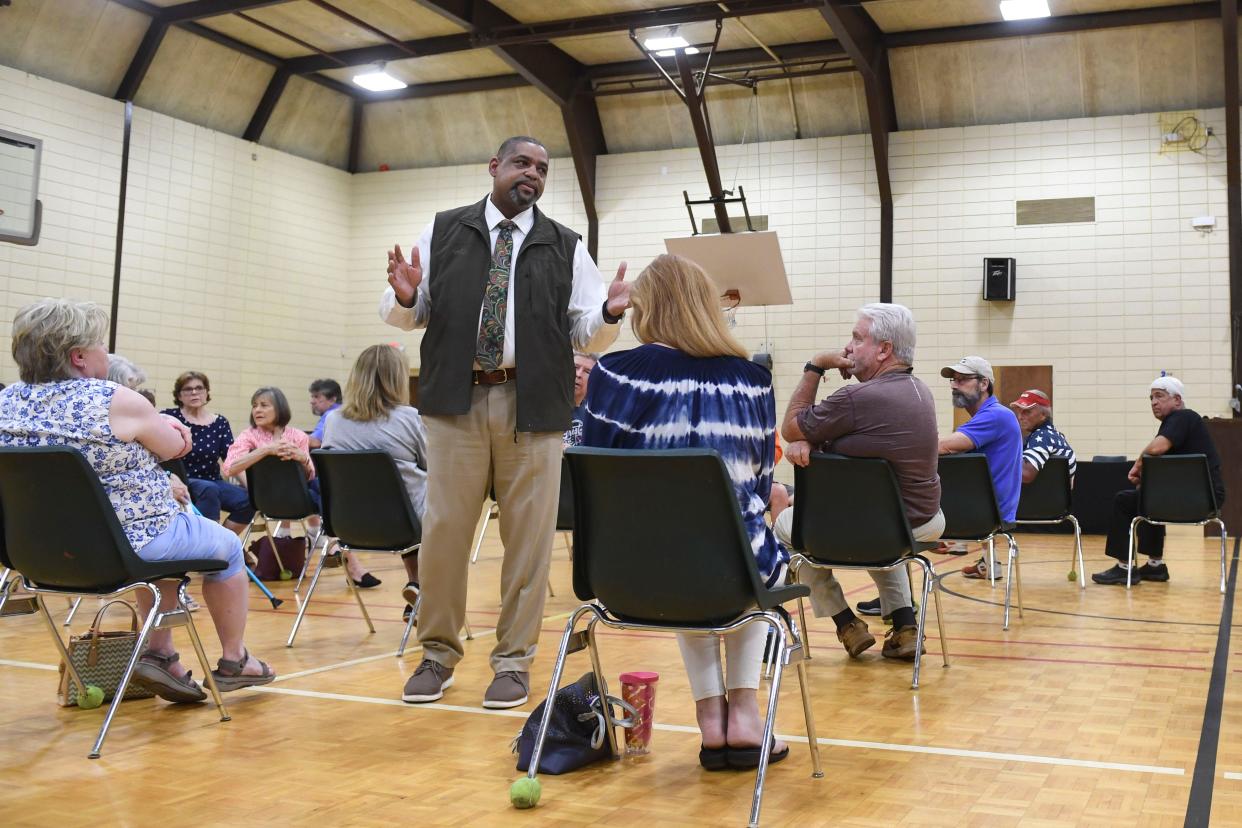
(557, 669)
(1008, 586)
(1132, 541)
(1223, 543)
(944, 640)
(311, 545)
(1082, 569)
(73, 610)
(209, 680)
(806, 633)
(304, 602)
(123, 685)
(922, 623)
(601, 682)
(409, 625)
(349, 585)
(478, 543)
(1015, 554)
(60, 645)
(765, 747)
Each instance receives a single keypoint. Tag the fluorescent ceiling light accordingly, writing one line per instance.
(690, 50)
(1024, 9)
(660, 44)
(378, 80)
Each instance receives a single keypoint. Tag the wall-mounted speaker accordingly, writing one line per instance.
(998, 279)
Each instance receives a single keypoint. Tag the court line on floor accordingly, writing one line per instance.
(845, 743)
(1199, 804)
(1232, 775)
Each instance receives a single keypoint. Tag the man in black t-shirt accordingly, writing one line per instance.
(1182, 431)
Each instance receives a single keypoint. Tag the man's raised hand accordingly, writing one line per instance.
(618, 293)
(403, 276)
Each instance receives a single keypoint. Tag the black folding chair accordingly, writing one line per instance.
(867, 530)
(88, 555)
(365, 507)
(971, 513)
(682, 563)
(1176, 490)
(1047, 500)
(278, 491)
(565, 510)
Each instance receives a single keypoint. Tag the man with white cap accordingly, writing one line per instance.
(992, 430)
(1181, 432)
(1041, 438)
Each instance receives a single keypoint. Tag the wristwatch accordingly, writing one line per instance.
(811, 366)
(609, 318)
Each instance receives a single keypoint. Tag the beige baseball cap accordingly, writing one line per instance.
(969, 365)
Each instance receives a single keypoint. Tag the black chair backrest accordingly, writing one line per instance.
(278, 489)
(1177, 488)
(178, 468)
(1047, 497)
(849, 511)
(59, 528)
(1109, 458)
(365, 504)
(565, 508)
(658, 536)
(967, 497)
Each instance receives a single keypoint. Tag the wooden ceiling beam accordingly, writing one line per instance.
(864, 42)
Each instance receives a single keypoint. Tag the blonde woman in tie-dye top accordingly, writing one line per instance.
(691, 385)
(65, 400)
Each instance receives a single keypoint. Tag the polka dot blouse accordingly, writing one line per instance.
(211, 444)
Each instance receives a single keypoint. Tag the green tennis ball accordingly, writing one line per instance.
(286, 575)
(1071, 575)
(524, 792)
(93, 697)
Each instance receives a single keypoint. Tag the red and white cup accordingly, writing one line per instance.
(639, 690)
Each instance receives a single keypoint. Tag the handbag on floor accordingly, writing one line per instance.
(576, 734)
(100, 658)
(289, 556)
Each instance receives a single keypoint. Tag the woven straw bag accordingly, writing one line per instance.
(100, 659)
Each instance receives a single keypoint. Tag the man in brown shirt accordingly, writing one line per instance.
(888, 414)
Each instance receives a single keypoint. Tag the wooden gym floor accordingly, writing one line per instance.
(1089, 711)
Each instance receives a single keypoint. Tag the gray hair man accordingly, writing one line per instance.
(889, 414)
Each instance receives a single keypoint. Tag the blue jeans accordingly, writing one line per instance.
(212, 495)
(190, 536)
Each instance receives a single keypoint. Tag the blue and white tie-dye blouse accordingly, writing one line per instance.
(656, 397)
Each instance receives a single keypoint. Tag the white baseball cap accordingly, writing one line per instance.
(969, 365)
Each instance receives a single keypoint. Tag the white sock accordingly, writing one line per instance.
(1123, 565)
(1155, 561)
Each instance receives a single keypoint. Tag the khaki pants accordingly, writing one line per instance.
(827, 597)
(464, 454)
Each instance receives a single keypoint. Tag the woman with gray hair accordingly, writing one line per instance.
(64, 399)
(124, 372)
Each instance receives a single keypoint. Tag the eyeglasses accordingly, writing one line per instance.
(197, 389)
(962, 378)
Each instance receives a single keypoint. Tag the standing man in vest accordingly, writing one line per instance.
(495, 283)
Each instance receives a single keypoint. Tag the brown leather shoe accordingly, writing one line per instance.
(509, 688)
(900, 642)
(856, 637)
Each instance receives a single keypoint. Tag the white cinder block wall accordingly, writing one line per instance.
(268, 269)
(233, 265)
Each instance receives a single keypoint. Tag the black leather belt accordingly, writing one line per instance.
(498, 377)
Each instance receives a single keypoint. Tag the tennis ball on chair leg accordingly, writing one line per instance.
(524, 792)
(93, 697)
(1071, 575)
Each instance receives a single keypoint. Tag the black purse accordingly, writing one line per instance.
(576, 735)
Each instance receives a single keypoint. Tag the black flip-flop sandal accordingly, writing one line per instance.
(714, 759)
(748, 758)
(152, 673)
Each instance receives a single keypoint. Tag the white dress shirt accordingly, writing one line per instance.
(586, 297)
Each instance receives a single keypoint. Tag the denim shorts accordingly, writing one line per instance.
(191, 536)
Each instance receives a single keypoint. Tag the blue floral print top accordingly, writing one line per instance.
(74, 413)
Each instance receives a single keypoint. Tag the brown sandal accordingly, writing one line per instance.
(228, 674)
(152, 673)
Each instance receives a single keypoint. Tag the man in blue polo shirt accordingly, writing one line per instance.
(993, 430)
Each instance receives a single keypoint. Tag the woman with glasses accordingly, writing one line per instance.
(212, 437)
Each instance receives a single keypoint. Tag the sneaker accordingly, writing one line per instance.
(951, 548)
(871, 607)
(509, 688)
(410, 592)
(900, 642)
(855, 637)
(979, 570)
(428, 683)
(1117, 576)
(1159, 573)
